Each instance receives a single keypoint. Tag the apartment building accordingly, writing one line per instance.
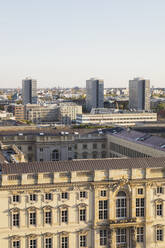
(67, 112)
(19, 112)
(108, 203)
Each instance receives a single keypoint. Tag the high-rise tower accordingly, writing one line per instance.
(29, 91)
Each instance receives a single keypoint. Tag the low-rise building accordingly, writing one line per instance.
(68, 112)
(110, 203)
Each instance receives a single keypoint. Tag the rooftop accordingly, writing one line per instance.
(83, 165)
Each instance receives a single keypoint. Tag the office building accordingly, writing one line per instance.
(94, 94)
(110, 203)
(29, 91)
(139, 94)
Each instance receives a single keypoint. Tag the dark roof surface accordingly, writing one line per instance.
(82, 165)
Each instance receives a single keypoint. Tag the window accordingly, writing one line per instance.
(159, 234)
(41, 160)
(121, 236)
(103, 210)
(121, 205)
(82, 212)
(139, 207)
(33, 197)
(82, 240)
(41, 149)
(48, 217)
(103, 146)
(94, 154)
(85, 155)
(69, 148)
(103, 193)
(29, 148)
(140, 234)
(82, 194)
(55, 155)
(65, 242)
(103, 154)
(16, 244)
(16, 198)
(159, 190)
(94, 146)
(48, 196)
(103, 237)
(32, 218)
(85, 146)
(159, 209)
(75, 146)
(64, 216)
(33, 243)
(48, 243)
(15, 219)
(140, 191)
(64, 195)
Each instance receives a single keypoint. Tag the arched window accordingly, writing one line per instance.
(55, 155)
(121, 205)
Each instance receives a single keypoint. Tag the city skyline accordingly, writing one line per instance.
(66, 43)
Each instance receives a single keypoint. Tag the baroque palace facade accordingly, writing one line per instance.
(101, 203)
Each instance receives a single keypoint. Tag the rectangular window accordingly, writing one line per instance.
(159, 190)
(16, 198)
(41, 149)
(103, 237)
(48, 243)
(139, 207)
(140, 191)
(48, 196)
(82, 194)
(82, 214)
(48, 217)
(64, 216)
(85, 146)
(121, 236)
(15, 219)
(33, 243)
(103, 193)
(159, 234)
(16, 244)
(140, 234)
(65, 242)
(64, 195)
(159, 209)
(82, 240)
(32, 218)
(94, 146)
(103, 210)
(33, 197)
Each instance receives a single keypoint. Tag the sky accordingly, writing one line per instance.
(64, 42)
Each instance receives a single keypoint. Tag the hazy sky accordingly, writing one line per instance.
(65, 42)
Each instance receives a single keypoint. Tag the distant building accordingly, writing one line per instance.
(29, 91)
(139, 94)
(94, 93)
(68, 112)
(19, 112)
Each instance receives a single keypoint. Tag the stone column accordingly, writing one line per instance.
(112, 238)
(133, 237)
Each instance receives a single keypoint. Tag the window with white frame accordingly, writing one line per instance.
(16, 198)
(65, 242)
(159, 234)
(48, 243)
(121, 236)
(82, 214)
(103, 210)
(103, 237)
(48, 196)
(159, 190)
(121, 205)
(48, 216)
(159, 208)
(16, 244)
(103, 193)
(32, 217)
(55, 155)
(15, 219)
(140, 234)
(33, 197)
(139, 207)
(82, 194)
(64, 215)
(83, 240)
(33, 243)
(64, 195)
